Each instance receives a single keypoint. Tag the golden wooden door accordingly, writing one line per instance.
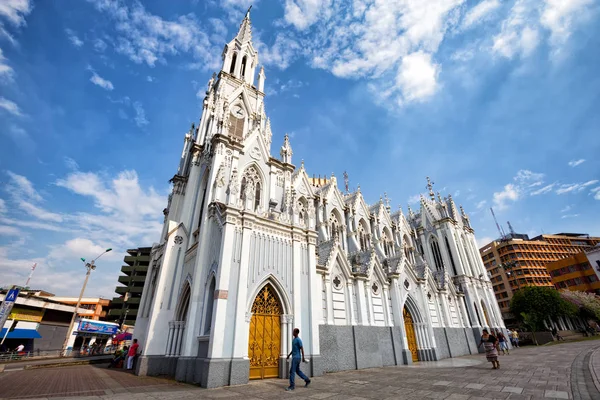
(411, 337)
(264, 344)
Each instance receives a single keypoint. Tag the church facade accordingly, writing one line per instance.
(252, 247)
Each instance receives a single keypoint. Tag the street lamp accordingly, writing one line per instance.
(90, 266)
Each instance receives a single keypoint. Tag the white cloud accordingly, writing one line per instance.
(304, 13)
(574, 163)
(73, 38)
(566, 209)
(7, 230)
(510, 193)
(417, 77)
(485, 240)
(6, 71)
(2, 206)
(545, 189)
(70, 163)
(481, 204)
(519, 34)
(99, 45)
(149, 78)
(140, 114)
(559, 16)
(103, 83)
(569, 216)
(20, 137)
(147, 38)
(21, 187)
(39, 212)
(596, 192)
(281, 53)
(480, 13)
(15, 10)
(127, 215)
(575, 187)
(10, 106)
(414, 199)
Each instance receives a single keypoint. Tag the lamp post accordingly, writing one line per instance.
(90, 266)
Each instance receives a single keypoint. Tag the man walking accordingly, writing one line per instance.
(296, 353)
(132, 353)
(515, 338)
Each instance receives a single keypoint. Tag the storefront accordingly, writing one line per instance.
(91, 337)
(21, 329)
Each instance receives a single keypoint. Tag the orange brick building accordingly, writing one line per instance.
(519, 261)
(575, 273)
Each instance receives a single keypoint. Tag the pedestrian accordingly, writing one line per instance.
(503, 342)
(132, 353)
(491, 352)
(557, 335)
(515, 338)
(297, 354)
(20, 348)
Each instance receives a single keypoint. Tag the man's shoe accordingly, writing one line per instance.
(307, 383)
(289, 389)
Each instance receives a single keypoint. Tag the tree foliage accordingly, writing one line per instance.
(588, 304)
(532, 305)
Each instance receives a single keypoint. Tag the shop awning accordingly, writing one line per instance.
(21, 334)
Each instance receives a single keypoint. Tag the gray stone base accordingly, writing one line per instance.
(406, 357)
(208, 373)
(316, 366)
(454, 342)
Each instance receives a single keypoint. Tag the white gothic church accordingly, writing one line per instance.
(253, 247)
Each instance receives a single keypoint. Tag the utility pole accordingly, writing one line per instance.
(90, 266)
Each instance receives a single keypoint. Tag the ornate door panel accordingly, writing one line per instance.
(411, 337)
(264, 344)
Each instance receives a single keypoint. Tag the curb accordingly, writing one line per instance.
(592, 369)
(54, 365)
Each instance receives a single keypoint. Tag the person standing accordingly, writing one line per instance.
(491, 352)
(132, 354)
(515, 337)
(297, 354)
(20, 348)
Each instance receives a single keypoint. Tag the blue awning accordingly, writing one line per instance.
(21, 334)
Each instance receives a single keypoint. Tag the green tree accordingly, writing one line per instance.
(532, 305)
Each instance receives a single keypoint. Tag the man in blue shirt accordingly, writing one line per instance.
(296, 353)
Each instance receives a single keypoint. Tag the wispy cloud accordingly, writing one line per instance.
(10, 106)
(569, 216)
(15, 11)
(545, 189)
(574, 163)
(72, 36)
(480, 13)
(574, 187)
(481, 204)
(140, 114)
(103, 83)
(523, 183)
(6, 71)
(596, 193)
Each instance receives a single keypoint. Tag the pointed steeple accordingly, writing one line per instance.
(245, 32)
(430, 187)
(286, 150)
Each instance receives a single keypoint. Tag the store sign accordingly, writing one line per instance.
(97, 327)
(23, 314)
(7, 305)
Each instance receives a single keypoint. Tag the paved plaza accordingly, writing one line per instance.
(565, 371)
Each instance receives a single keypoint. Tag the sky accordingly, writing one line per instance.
(497, 101)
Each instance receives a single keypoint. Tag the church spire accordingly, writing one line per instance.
(245, 32)
(286, 150)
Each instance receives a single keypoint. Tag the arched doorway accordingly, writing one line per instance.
(411, 337)
(264, 344)
(485, 314)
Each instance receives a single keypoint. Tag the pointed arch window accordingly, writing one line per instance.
(450, 254)
(244, 62)
(210, 301)
(257, 196)
(437, 256)
(363, 238)
(233, 62)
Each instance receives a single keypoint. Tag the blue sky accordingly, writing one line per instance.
(498, 102)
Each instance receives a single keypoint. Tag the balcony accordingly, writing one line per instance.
(134, 289)
(126, 280)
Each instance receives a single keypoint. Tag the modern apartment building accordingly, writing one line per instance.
(124, 309)
(93, 308)
(517, 261)
(578, 272)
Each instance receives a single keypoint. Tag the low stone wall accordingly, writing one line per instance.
(357, 347)
(454, 342)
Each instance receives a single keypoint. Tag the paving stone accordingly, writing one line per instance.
(512, 389)
(556, 394)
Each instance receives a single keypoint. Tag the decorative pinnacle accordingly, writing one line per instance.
(462, 211)
(430, 188)
(346, 182)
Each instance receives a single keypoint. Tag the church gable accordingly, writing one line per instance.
(301, 183)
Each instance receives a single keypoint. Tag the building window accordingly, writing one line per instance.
(210, 299)
(437, 256)
(233, 61)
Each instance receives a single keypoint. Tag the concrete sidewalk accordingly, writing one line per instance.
(545, 372)
(54, 362)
